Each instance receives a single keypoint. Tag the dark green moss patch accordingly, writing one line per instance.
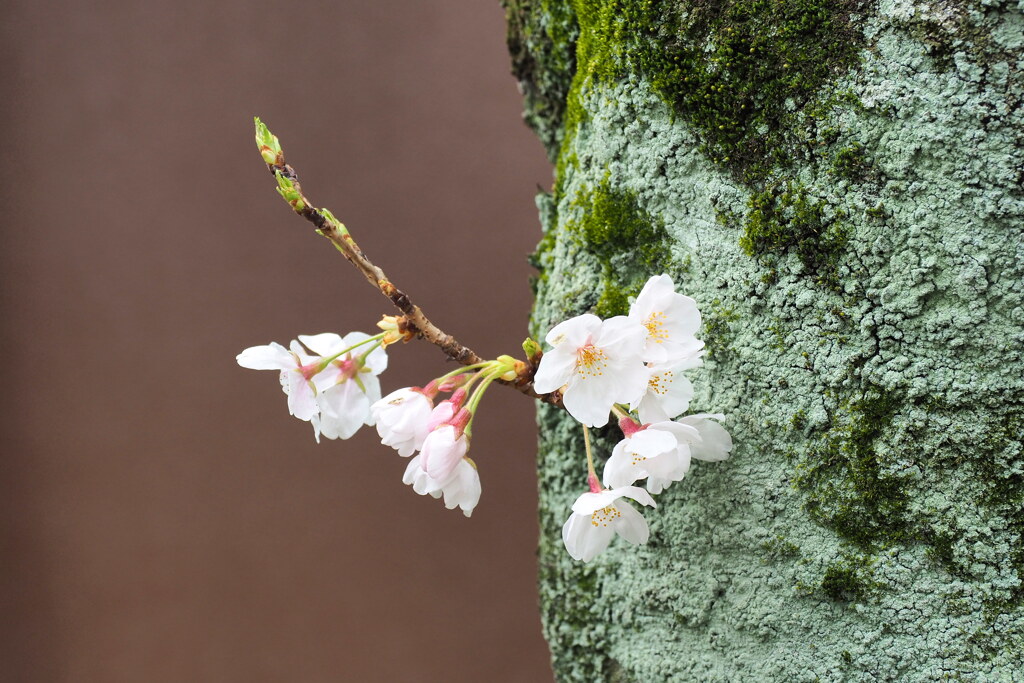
(624, 239)
(778, 547)
(846, 486)
(717, 329)
(785, 217)
(851, 163)
(744, 72)
(848, 579)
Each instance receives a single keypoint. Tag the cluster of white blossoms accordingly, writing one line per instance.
(331, 382)
(623, 365)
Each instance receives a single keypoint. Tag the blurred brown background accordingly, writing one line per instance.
(163, 518)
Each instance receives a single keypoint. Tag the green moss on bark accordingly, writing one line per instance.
(627, 242)
(862, 311)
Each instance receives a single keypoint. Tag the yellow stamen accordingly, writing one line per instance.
(605, 516)
(659, 382)
(591, 361)
(655, 325)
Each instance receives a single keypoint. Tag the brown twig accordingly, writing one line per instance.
(335, 231)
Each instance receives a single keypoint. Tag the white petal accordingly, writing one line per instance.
(590, 399)
(372, 386)
(572, 534)
(656, 485)
(463, 489)
(620, 470)
(672, 465)
(323, 344)
(636, 493)
(595, 540)
(555, 369)
(668, 394)
(651, 296)
(631, 525)
(589, 502)
(621, 338)
(649, 443)
(300, 352)
(715, 444)
(327, 378)
(377, 361)
(574, 332)
(583, 540)
(343, 410)
(301, 399)
(631, 380)
(684, 433)
(410, 470)
(271, 356)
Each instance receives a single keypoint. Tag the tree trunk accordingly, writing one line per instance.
(838, 184)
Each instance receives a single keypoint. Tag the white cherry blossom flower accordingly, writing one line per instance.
(348, 386)
(660, 452)
(599, 364)
(297, 370)
(670, 319)
(402, 419)
(715, 443)
(597, 517)
(460, 489)
(668, 392)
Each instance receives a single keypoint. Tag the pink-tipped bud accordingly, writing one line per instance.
(430, 391)
(458, 398)
(460, 420)
(453, 383)
(629, 426)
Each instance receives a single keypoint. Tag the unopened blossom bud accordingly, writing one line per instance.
(532, 350)
(445, 446)
(269, 146)
(287, 189)
(453, 383)
(402, 418)
(509, 364)
(446, 410)
(396, 328)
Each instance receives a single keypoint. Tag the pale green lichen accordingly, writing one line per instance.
(866, 348)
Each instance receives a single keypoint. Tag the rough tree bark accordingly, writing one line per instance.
(838, 183)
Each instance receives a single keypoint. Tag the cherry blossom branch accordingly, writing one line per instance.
(413, 321)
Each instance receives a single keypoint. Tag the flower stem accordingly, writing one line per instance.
(365, 354)
(595, 483)
(459, 371)
(335, 231)
(474, 400)
(327, 361)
